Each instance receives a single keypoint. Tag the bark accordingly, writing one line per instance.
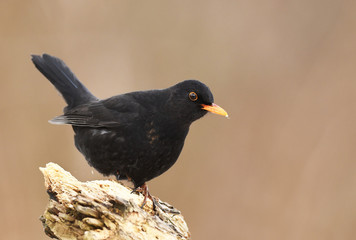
(103, 209)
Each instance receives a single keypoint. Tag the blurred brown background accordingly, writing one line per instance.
(283, 166)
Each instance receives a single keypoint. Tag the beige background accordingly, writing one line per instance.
(283, 167)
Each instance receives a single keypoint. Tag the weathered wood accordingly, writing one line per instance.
(103, 209)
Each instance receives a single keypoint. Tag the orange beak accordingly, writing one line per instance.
(215, 109)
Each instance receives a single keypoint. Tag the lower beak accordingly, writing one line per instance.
(215, 109)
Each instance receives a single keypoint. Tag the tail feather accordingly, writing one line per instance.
(56, 71)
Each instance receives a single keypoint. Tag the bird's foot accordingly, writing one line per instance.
(155, 201)
(144, 190)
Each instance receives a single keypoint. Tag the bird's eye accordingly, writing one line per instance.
(193, 96)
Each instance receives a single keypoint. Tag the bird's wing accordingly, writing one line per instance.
(113, 112)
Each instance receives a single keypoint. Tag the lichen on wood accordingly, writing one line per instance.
(103, 209)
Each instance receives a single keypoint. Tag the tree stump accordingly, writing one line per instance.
(103, 209)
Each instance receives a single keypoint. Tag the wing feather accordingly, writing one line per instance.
(113, 112)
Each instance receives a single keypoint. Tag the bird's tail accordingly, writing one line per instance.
(57, 72)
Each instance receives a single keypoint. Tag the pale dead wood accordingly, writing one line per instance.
(103, 210)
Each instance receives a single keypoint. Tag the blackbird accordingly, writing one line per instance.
(135, 136)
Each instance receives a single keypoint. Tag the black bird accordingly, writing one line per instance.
(135, 136)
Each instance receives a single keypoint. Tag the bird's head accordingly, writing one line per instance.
(192, 99)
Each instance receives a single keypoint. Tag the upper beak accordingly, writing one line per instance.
(215, 109)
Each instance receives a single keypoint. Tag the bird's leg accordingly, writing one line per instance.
(155, 201)
(146, 195)
(144, 190)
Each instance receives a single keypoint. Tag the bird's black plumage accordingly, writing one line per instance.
(137, 135)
